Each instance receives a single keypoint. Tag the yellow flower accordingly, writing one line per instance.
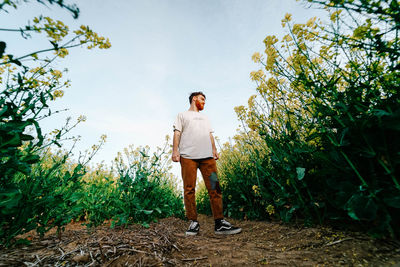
(270, 209)
(335, 15)
(297, 28)
(81, 118)
(58, 93)
(256, 57)
(270, 40)
(311, 22)
(256, 190)
(286, 19)
(287, 38)
(240, 112)
(56, 73)
(251, 102)
(62, 52)
(262, 88)
(272, 55)
(257, 75)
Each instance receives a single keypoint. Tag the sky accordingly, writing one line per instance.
(162, 50)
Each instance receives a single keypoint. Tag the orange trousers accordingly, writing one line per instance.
(208, 169)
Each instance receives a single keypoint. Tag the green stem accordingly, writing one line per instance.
(354, 169)
(273, 179)
(396, 183)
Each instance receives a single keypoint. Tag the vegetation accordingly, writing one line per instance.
(42, 188)
(318, 142)
(319, 138)
(139, 189)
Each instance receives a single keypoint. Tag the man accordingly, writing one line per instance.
(194, 147)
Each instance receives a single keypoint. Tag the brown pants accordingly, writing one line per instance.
(208, 169)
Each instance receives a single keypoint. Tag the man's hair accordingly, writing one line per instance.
(195, 94)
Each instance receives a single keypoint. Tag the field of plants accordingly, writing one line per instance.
(318, 144)
(41, 187)
(319, 140)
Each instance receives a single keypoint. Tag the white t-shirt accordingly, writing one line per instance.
(195, 131)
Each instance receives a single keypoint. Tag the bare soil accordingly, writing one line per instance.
(165, 244)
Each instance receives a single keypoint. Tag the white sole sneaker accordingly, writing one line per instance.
(191, 233)
(229, 232)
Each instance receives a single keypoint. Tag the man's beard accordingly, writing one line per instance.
(199, 105)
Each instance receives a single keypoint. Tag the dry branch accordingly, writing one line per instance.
(195, 259)
(338, 241)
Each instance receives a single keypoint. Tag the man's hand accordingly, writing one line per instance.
(175, 156)
(214, 149)
(215, 154)
(175, 146)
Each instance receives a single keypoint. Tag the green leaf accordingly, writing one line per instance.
(380, 113)
(55, 45)
(22, 241)
(43, 100)
(20, 81)
(352, 215)
(14, 141)
(2, 48)
(16, 61)
(9, 199)
(360, 207)
(26, 137)
(300, 172)
(75, 197)
(38, 131)
(57, 143)
(393, 201)
(147, 212)
(3, 110)
(31, 159)
(143, 154)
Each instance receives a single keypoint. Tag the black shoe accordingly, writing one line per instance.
(223, 227)
(194, 228)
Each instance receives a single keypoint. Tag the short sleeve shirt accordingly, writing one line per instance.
(195, 128)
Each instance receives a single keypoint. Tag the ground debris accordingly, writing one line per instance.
(164, 244)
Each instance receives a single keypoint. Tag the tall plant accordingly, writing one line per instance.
(28, 85)
(328, 109)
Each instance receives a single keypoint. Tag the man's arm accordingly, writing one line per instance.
(214, 148)
(175, 145)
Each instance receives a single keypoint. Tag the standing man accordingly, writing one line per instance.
(194, 147)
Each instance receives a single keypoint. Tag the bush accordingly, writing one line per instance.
(327, 110)
(30, 197)
(140, 189)
(44, 198)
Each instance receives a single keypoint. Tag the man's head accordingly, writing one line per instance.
(198, 98)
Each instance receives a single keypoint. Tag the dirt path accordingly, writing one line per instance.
(164, 244)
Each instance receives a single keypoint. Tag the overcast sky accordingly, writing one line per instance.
(161, 51)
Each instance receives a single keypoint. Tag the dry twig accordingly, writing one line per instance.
(195, 259)
(338, 241)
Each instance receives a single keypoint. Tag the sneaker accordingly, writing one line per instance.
(194, 228)
(225, 228)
